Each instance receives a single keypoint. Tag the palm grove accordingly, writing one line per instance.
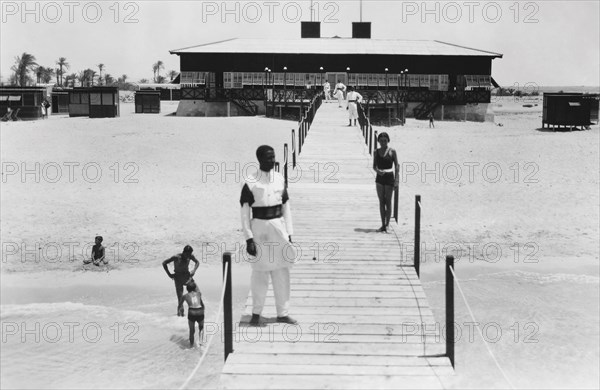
(26, 72)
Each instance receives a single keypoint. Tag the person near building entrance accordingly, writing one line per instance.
(340, 88)
(353, 98)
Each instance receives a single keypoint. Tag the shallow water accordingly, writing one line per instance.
(96, 335)
(541, 326)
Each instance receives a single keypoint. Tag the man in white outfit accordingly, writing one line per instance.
(352, 107)
(339, 92)
(326, 90)
(267, 227)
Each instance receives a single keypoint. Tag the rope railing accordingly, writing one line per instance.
(451, 278)
(226, 286)
(451, 268)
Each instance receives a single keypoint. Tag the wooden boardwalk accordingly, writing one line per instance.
(364, 319)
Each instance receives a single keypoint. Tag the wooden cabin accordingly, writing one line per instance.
(147, 102)
(569, 110)
(24, 102)
(95, 102)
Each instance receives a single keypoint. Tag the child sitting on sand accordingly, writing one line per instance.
(195, 309)
(97, 253)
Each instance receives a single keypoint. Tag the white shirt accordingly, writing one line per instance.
(267, 190)
(353, 95)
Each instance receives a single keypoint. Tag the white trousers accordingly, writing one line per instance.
(340, 96)
(352, 111)
(259, 284)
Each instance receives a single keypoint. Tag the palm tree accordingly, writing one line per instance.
(44, 75)
(156, 68)
(172, 74)
(100, 68)
(81, 77)
(90, 76)
(72, 77)
(38, 73)
(108, 79)
(23, 65)
(62, 63)
(122, 81)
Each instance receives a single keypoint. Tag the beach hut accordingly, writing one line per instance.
(147, 102)
(60, 101)
(566, 110)
(95, 102)
(24, 102)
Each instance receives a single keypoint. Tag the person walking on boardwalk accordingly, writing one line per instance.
(339, 92)
(385, 164)
(326, 90)
(353, 98)
(182, 274)
(267, 227)
(430, 116)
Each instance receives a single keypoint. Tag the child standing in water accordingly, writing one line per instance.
(195, 309)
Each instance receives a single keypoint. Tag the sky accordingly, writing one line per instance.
(543, 42)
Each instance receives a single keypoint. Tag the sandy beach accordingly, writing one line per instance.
(518, 206)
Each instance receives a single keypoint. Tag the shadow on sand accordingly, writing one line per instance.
(362, 230)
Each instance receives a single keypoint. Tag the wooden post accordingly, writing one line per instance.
(306, 126)
(396, 203)
(285, 164)
(374, 141)
(417, 259)
(450, 309)
(371, 146)
(300, 138)
(294, 148)
(227, 306)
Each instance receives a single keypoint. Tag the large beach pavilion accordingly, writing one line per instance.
(401, 77)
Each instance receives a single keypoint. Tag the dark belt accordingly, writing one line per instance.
(270, 212)
(351, 101)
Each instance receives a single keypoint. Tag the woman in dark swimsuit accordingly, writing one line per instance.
(385, 164)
